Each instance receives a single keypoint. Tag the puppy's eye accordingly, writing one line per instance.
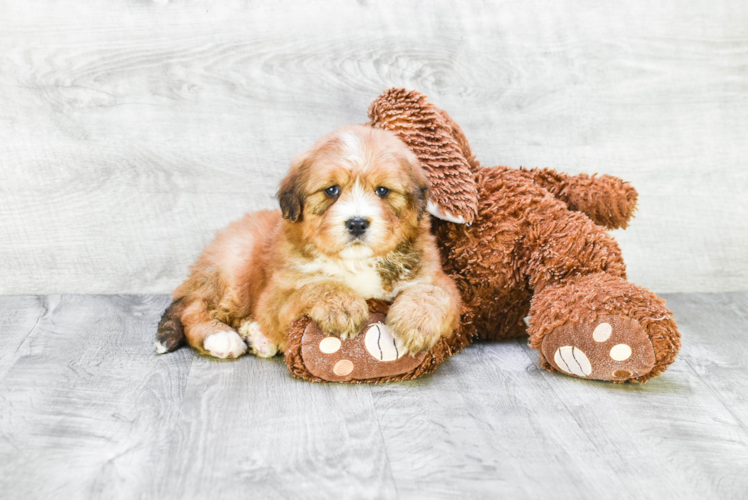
(382, 191)
(332, 191)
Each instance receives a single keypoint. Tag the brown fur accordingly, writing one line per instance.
(268, 266)
(537, 244)
(607, 200)
(439, 144)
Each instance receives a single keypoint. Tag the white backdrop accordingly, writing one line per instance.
(130, 130)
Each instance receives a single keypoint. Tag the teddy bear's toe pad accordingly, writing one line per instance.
(614, 348)
(370, 355)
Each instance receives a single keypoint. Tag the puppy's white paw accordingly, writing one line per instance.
(225, 344)
(259, 345)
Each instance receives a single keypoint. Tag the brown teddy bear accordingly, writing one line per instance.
(518, 243)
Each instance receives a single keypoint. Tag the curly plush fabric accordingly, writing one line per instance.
(522, 239)
(441, 149)
(607, 200)
(601, 293)
(538, 239)
(531, 242)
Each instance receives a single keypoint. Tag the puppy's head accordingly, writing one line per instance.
(357, 193)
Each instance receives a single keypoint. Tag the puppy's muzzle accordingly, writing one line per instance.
(357, 226)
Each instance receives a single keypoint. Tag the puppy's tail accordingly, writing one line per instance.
(170, 335)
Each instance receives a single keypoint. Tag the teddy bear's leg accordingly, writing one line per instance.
(585, 318)
(602, 327)
(607, 200)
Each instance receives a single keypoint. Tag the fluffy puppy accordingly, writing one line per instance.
(352, 227)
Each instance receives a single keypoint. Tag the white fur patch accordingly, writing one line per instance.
(360, 275)
(437, 212)
(352, 143)
(160, 349)
(259, 345)
(358, 202)
(225, 344)
(367, 283)
(356, 252)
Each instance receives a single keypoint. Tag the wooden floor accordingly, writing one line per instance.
(87, 410)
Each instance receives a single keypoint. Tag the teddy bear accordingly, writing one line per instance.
(529, 251)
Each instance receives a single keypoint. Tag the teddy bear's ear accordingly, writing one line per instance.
(441, 148)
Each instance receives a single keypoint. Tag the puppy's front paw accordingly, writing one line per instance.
(225, 344)
(417, 325)
(413, 336)
(341, 315)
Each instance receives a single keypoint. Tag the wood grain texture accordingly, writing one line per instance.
(491, 431)
(133, 130)
(19, 317)
(720, 349)
(247, 426)
(88, 410)
(685, 441)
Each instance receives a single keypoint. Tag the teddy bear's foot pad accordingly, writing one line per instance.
(371, 354)
(613, 348)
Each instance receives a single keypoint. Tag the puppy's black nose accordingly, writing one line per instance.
(357, 226)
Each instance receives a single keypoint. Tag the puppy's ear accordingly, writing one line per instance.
(421, 191)
(291, 192)
(291, 205)
(423, 195)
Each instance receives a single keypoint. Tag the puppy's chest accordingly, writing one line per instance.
(367, 283)
(362, 277)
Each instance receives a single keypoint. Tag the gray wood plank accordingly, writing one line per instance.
(488, 425)
(673, 437)
(496, 425)
(18, 319)
(715, 329)
(248, 428)
(133, 130)
(88, 410)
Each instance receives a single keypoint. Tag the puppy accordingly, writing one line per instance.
(352, 227)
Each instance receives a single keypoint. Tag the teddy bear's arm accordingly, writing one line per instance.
(607, 200)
